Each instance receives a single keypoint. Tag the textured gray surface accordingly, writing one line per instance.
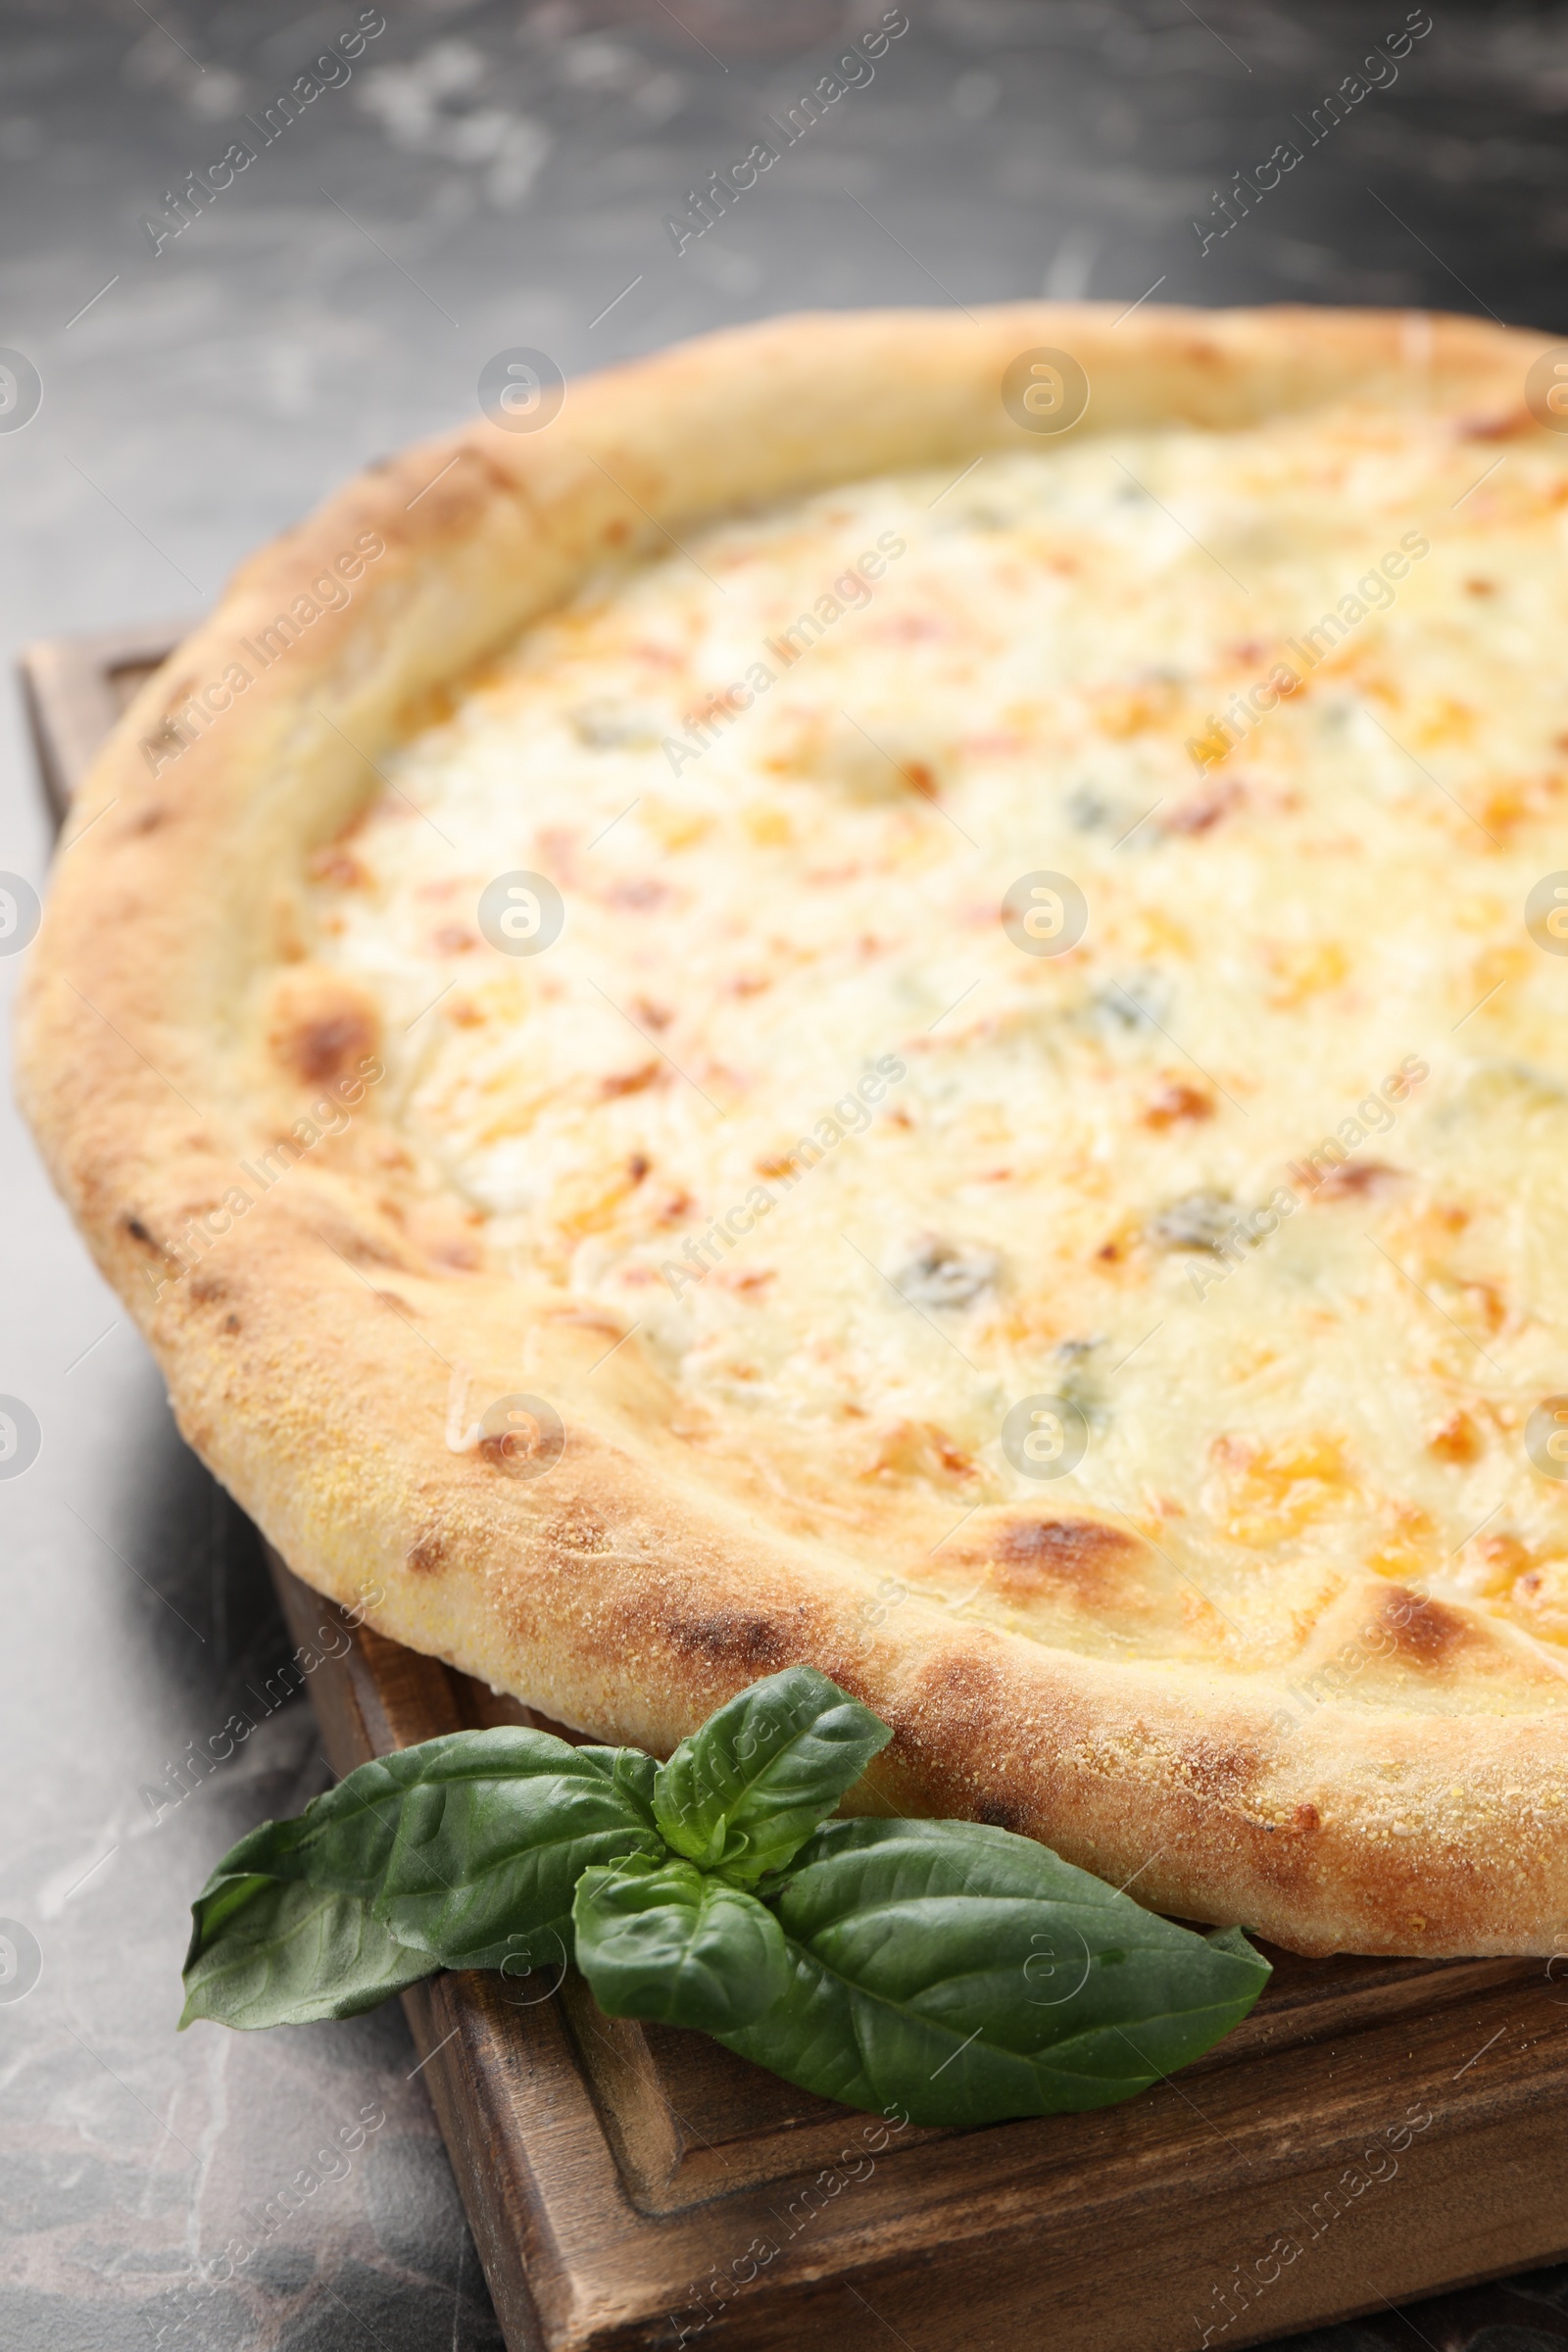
(492, 178)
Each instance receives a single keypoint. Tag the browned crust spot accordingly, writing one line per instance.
(1028, 1556)
(733, 1638)
(1357, 1179)
(1426, 1633)
(997, 1814)
(320, 1026)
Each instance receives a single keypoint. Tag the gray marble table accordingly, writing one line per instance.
(475, 178)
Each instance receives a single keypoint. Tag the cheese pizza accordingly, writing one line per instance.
(896, 997)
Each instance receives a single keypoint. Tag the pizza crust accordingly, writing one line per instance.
(178, 1020)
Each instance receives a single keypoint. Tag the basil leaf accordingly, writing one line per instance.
(290, 1955)
(743, 1794)
(225, 1893)
(466, 1847)
(672, 1943)
(971, 1975)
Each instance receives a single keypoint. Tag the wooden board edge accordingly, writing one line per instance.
(63, 675)
(70, 699)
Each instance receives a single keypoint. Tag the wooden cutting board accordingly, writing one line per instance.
(1375, 2131)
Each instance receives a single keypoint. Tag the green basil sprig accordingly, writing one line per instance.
(680, 1945)
(973, 1975)
(284, 1954)
(965, 1973)
(746, 1790)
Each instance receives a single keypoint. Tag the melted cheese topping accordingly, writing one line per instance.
(1262, 1177)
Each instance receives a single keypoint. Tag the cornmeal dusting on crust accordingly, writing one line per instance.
(1262, 1176)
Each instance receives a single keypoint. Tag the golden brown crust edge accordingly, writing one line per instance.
(310, 1360)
